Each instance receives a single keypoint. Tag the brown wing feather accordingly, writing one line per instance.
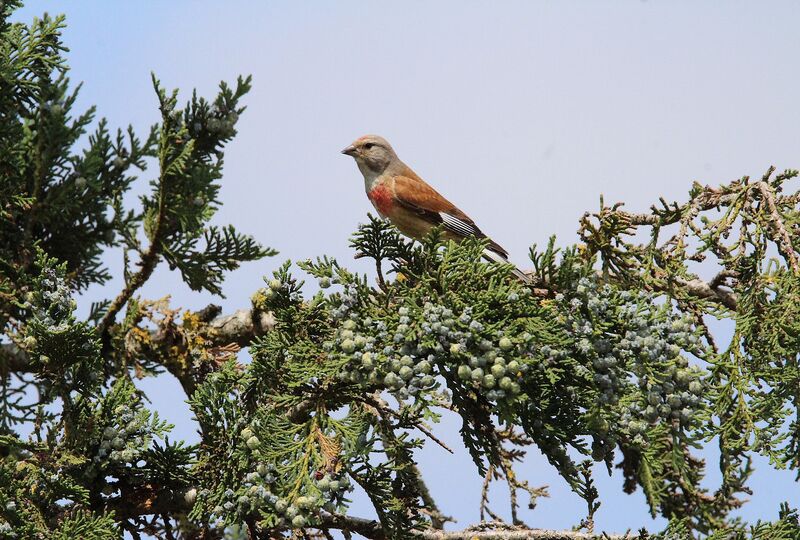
(413, 191)
(415, 194)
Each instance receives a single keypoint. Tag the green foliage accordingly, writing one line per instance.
(597, 367)
(63, 184)
(223, 249)
(42, 199)
(185, 196)
(787, 527)
(595, 361)
(67, 199)
(65, 348)
(81, 524)
(99, 450)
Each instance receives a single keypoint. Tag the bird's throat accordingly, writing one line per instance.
(370, 176)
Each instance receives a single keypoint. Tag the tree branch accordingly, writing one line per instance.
(372, 529)
(784, 240)
(149, 501)
(239, 327)
(709, 198)
(701, 289)
(147, 264)
(149, 259)
(706, 198)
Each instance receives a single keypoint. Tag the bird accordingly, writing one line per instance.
(408, 202)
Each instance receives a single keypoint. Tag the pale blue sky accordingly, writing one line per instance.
(522, 113)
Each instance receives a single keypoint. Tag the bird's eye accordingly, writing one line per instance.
(369, 145)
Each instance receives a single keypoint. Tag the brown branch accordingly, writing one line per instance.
(147, 265)
(522, 533)
(149, 259)
(148, 501)
(379, 271)
(707, 198)
(221, 336)
(368, 528)
(300, 412)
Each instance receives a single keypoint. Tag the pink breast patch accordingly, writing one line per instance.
(381, 197)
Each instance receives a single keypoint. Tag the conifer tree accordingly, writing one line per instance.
(606, 356)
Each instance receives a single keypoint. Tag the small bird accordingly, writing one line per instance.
(407, 201)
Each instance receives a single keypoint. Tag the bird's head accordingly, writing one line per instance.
(372, 153)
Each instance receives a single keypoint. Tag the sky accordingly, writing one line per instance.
(521, 113)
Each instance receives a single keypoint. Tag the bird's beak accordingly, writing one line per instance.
(349, 151)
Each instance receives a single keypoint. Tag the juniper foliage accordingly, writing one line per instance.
(607, 356)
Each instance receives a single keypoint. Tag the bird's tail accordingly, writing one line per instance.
(492, 255)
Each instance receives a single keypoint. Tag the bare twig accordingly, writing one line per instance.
(484, 509)
(382, 407)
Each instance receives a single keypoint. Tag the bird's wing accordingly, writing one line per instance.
(417, 196)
